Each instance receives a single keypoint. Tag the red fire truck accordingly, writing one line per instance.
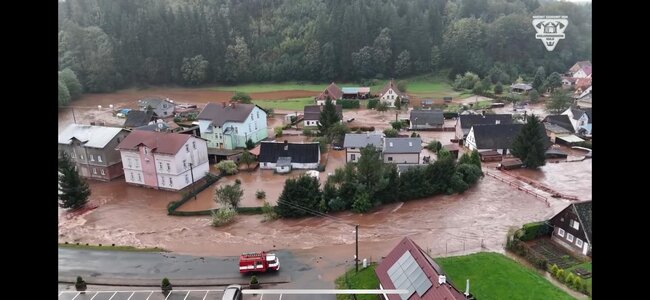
(258, 262)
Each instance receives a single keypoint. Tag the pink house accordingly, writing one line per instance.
(163, 160)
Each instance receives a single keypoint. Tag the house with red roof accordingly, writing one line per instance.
(161, 160)
(332, 91)
(581, 69)
(389, 93)
(408, 267)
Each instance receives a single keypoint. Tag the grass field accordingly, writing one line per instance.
(586, 266)
(366, 279)
(297, 104)
(494, 276)
(110, 248)
(271, 87)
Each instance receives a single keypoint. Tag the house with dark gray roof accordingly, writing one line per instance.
(312, 114)
(227, 126)
(285, 156)
(426, 119)
(138, 118)
(465, 122)
(521, 88)
(557, 126)
(402, 150)
(92, 149)
(161, 107)
(354, 142)
(498, 137)
(572, 228)
(579, 118)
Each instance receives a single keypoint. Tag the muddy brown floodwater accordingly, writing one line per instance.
(476, 220)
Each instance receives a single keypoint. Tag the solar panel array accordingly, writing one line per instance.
(406, 274)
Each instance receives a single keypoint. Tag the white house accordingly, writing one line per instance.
(578, 117)
(332, 91)
(581, 69)
(353, 143)
(497, 137)
(389, 93)
(161, 107)
(283, 157)
(402, 150)
(169, 161)
(230, 125)
(312, 114)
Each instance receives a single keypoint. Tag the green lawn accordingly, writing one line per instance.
(297, 104)
(364, 280)
(586, 266)
(494, 276)
(111, 248)
(271, 87)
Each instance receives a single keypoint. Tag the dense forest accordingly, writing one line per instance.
(111, 44)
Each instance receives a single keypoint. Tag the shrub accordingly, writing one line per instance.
(223, 216)
(80, 285)
(320, 168)
(434, 146)
(307, 132)
(227, 167)
(166, 286)
(348, 103)
(382, 106)
(576, 282)
(390, 132)
(254, 280)
(414, 134)
(449, 115)
(534, 230)
(372, 103)
(269, 212)
(553, 269)
(568, 279)
(250, 144)
(260, 194)
(241, 97)
(278, 131)
(397, 125)
(354, 128)
(584, 288)
(560, 274)
(237, 181)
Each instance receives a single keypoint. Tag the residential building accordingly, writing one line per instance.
(498, 137)
(283, 157)
(579, 118)
(312, 114)
(354, 142)
(581, 69)
(92, 148)
(161, 107)
(389, 93)
(521, 88)
(332, 91)
(402, 150)
(426, 119)
(465, 122)
(138, 118)
(230, 125)
(168, 161)
(572, 228)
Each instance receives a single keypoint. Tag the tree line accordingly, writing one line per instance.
(111, 44)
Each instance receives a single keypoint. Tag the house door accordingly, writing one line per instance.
(585, 248)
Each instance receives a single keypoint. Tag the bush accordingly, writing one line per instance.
(397, 125)
(568, 279)
(576, 282)
(402, 85)
(348, 103)
(227, 167)
(354, 128)
(269, 212)
(260, 194)
(320, 168)
(307, 132)
(449, 115)
(382, 106)
(534, 230)
(586, 144)
(80, 285)
(237, 181)
(553, 269)
(584, 288)
(560, 275)
(434, 146)
(254, 280)
(241, 97)
(278, 131)
(390, 132)
(250, 144)
(166, 286)
(414, 134)
(372, 103)
(223, 216)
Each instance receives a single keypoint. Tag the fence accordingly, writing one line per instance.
(519, 187)
(460, 246)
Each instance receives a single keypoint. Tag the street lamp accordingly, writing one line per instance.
(192, 173)
(356, 256)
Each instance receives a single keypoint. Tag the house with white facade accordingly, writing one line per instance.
(332, 91)
(283, 157)
(312, 114)
(168, 161)
(581, 69)
(465, 122)
(497, 137)
(390, 93)
(426, 119)
(230, 125)
(402, 150)
(161, 107)
(354, 142)
(580, 119)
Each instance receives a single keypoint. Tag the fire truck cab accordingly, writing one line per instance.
(258, 262)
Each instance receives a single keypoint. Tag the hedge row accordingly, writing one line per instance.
(348, 103)
(362, 128)
(450, 115)
(372, 103)
(208, 212)
(534, 230)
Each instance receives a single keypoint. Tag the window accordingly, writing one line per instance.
(146, 152)
(165, 113)
(187, 178)
(574, 224)
(390, 158)
(184, 164)
(118, 140)
(255, 126)
(95, 171)
(171, 183)
(236, 130)
(162, 181)
(250, 128)
(92, 158)
(139, 178)
(99, 158)
(258, 114)
(194, 144)
(81, 157)
(560, 232)
(390, 91)
(353, 157)
(128, 162)
(579, 242)
(569, 237)
(169, 167)
(132, 179)
(187, 148)
(160, 165)
(102, 171)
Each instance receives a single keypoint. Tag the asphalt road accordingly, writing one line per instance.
(133, 266)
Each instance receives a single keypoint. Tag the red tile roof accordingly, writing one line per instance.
(391, 85)
(158, 142)
(332, 90)
(437, 291)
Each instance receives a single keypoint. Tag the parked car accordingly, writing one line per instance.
(232, 292)
(336, 146)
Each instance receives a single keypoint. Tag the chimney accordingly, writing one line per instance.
(442, 279)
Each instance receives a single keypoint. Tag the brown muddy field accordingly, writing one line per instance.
(477, 220)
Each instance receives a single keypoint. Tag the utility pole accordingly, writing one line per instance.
(356, 256)
(73, 116)
(192, 173)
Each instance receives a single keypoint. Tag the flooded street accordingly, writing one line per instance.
(477, 220)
